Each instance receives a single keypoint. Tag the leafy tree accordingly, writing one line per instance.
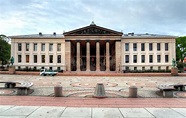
(180, 48)
(4, 50)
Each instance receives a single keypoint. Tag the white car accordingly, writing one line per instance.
(44, 72)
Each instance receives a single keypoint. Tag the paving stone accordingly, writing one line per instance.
(136, 112)
(164, 113)
(5, 107)
(77, 112)
(180, 110)
(47, 112)
(19, 111)
(13, 116)
(106, 113)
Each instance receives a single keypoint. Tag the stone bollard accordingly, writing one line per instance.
(99, 91)
(133, 92)
(58, 91)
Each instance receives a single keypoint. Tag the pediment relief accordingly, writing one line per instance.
(92, 30)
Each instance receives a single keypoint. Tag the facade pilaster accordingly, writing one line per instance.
(87, 55)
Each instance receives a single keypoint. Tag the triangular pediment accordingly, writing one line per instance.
(93, 30)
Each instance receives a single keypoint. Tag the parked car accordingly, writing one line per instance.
(44, 72)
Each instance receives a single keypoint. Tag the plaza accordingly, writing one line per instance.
(84, 86)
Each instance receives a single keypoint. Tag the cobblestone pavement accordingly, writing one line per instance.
(83, 86)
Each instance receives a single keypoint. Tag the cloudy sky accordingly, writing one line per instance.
(21, 17)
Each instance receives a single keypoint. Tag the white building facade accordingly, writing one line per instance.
(93, 48)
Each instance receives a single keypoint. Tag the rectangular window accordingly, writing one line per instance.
(35, 58)
(151, 68)
(143, 47)
(166, 58)
(142, 58)
(159, 67)
(51, 58)
(19, 58)
(42, 47)
(43, 58)
(58, 58)
(134, 46)
(150, 58)
(27, 58)
(166, 46)
(51, 47)
(158, 58)
(150, 46)
(19, 46)
(58, 47)
(143, 68)
(134, 58)
(35, 46)
(27, 46)
(135, 68)
(126, 58)
(126, 46)
(158, 47)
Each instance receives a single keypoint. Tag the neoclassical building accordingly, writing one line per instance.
(93, 48)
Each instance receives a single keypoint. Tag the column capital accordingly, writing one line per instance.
(97, 40)
(108, 40)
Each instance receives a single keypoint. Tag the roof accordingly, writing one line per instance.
(93, 30)
(33, 36)
(146, 35)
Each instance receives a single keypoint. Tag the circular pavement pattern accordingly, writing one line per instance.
(107, 84)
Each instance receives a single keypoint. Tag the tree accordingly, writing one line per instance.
(180, 48)
(4, 50)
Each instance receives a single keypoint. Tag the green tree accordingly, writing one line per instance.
(180, 48)
(4, 50)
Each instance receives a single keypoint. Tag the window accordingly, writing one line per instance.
(51, 58)
(158, 47)
(150, 46)
(159, 58)
(126, 58)
(159, 67)
(126, 46)
(42, 47)
(142, 58)
(166, 58)
(150, 58)
(134, 46)
(27, 46)
(167, 68)
(58, 47)
(43, 58)
(27, 58)
(35, 46)
(127, 68)
(166, 46)
(151, 68)
(35, 58)
(134, 58)
(50, 68)
(19, 47)
(58, 69)
(19, 58)
(143, 47)
(143, 68)
(51, 47)
(135, 68)
(58, 58)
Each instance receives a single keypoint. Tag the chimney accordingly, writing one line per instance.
(40, 33)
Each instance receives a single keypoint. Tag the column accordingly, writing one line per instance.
(118, 55)
(97, 56)
(23, 53)
(78, 56)
(107, 57)
(67, 60)
(31, 45)
(88, 55)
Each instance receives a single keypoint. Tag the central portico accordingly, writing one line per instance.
(93, 48)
